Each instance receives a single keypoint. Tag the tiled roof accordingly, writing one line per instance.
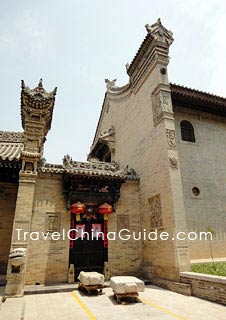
(10, 151)
(198, 100)
(84, 169)
(90, 169)
(183, 90)
(140, 53)
(11, 145)
(10, 136)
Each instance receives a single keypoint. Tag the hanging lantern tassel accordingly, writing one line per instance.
(78, 208)
(78, 217)
(105, 234)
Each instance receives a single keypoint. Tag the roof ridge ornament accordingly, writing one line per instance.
(127, 65)
(40, 83)
(108, 132)
(159, 32)
(110, 83)
(38, 91)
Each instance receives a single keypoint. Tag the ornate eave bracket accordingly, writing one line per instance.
(106, 137)
(94, 182)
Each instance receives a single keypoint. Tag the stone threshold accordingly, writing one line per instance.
(51, 288)
(61, 287)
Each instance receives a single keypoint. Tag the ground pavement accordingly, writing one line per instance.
(155, 304)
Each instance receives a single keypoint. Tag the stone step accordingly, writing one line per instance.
(61, 287)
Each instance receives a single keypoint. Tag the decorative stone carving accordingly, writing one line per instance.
(29, 166)
(17, 257)
(116, 165)
(42, 162)
(161, 105)
(32, 155)
(123, 222)
(171, 138)
(173, 163)
(127, 66)
(163, 101)
(52, 222)
(155, 211)
(68, 163)
(107, 107)
(160, 33)
(36, 114)
(39, 97)
(110, 84)
(108, 132)
(130, 173)
(16, 272)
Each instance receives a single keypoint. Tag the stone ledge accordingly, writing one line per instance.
(182, 288)
(204, 286)
(204, 277)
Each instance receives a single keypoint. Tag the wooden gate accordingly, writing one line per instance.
(87, 252)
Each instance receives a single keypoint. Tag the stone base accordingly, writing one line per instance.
(15, 284)
(107, 271)
(71, 274)
(178, 287)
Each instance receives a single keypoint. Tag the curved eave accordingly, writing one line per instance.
(90, 174)
(96, 148)
(11, 151)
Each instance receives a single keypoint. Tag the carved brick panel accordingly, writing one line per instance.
(52, 222)
(155, 211)
(123, 222)
(171, 138)
(161, 104)
(173, 163)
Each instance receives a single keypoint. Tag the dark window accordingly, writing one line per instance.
(196, 191)
(187, 131)
(103, 153)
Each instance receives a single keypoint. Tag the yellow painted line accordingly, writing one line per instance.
(83, 306)
(162, 309)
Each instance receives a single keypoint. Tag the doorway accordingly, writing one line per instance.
(88, 251)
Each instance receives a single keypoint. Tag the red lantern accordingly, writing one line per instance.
(78, 208)
(105, 209)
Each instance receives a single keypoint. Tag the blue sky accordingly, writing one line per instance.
(75, 45)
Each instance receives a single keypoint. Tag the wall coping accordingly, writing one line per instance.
(202, 276)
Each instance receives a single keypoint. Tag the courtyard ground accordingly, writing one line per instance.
(155, 303)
